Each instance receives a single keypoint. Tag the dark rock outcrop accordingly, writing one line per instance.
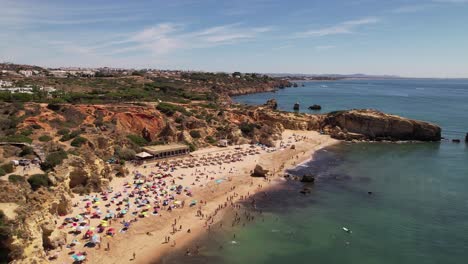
(308, 178)
(296, 107)
(374, 125)
(315, 107)
(259, 171)
(466, 138)
(272, 104)
(146, 134)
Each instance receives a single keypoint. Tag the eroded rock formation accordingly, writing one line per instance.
(374, 125)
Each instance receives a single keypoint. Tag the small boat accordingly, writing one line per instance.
(347, 230)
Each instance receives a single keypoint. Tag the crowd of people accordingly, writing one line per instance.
(150, 190)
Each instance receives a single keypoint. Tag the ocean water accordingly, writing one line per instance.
(418, 209)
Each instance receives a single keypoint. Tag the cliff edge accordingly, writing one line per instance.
(368, 124)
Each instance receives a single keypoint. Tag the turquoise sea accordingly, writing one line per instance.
(418, 209)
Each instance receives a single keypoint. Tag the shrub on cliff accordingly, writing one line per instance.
(26, 150)
(45, 138)
(39, 180)
(2, 172)
(71, 135)
(13, 178)
(195, 134)
(210, 140)
(78, 142)
(5, 234)
(170, 109)
(126, 154)
(247, 128)
(16, 139)
(140, 141)
(54, 159)
(26, 132)
(8, 167)
(63, 131)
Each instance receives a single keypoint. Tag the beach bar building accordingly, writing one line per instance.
(166, 151)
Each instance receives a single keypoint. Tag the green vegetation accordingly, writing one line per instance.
(8, 167)
(45, 138)
(54, 159)
(78, 141)
(15, 97)
(170, 109)
(5, 233)
(140, 141)
(14, 178)
(2, 172)
(63, 131)
(71, 135)
(195, 134)
(210, 140)
(26, 132)
(125, 154)
(26, 150)
(16, 139)
(247, 128)
(192, 147)
(39, 180)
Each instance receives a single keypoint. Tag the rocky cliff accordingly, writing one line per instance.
(374, 125)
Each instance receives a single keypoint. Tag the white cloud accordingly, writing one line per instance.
(411, 8)
(165, 38)
(347, 27)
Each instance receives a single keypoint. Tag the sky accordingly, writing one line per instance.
(413, 38)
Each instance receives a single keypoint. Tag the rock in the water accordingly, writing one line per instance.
(466, 138)
(272, 104)
(374, 125)
(308, 178)
(259, 171)
(456, 140)
(315, 107)
(305, 190)
(296, 107)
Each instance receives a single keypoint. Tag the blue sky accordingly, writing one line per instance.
(418, 38)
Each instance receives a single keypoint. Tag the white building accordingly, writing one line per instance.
(59, 73)
(5, 83)
(26, 73)
(27, 90)
(48, 89)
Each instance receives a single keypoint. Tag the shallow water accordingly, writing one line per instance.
(418, 209)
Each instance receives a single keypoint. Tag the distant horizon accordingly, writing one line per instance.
(283, 74)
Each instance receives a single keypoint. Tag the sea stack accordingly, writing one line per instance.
(315, 107)
(272, 104)
(296, 106)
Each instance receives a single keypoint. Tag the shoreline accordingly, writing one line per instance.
(275, 181)
(146, 238)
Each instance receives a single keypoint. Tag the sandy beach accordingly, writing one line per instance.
(215, 188)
